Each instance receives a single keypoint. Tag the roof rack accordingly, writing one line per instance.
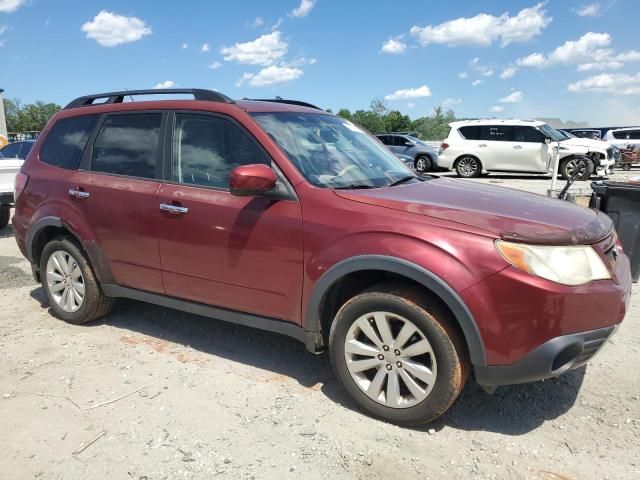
(118, 97)
(282, 100)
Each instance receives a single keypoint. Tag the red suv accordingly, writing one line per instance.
(281, 216)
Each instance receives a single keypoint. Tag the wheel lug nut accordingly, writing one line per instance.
(380, 357)
(397, 352)
(399, 364)
(385, 348)
(388, 366)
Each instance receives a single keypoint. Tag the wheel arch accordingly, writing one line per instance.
(368, 270)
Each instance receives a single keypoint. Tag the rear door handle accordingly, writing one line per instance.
(79, 194)
(177, 209)
(483, 145)
(517, 147)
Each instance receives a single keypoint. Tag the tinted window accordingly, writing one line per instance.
(399, 141)
(527, 134)
(208, 148)
(65, 143)
(634, 134)
(11, 151)
(26, 148)
(620, 135)
(384, 139)
(499, 133)
(128, 145)
(471, 132)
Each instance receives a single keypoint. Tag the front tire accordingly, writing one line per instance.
(584, 164)
(70, 285)
(397, 355)
(423, 164)
(5, 213)
(468, 167)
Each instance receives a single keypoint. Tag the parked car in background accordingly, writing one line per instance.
(11, 159)
(593, 134)
(526, 146)
(624, 138)
(281, 216)
(424, 156)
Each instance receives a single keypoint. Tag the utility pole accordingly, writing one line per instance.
(4, 138)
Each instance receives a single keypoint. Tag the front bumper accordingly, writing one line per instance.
(550, 359)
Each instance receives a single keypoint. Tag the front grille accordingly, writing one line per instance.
(592, 343)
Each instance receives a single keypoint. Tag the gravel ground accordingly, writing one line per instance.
(167, 395)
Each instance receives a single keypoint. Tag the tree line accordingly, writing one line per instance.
(28, 117)
(380, 119)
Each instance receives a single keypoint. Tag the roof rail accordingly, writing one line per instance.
(118, 97)
(282, 100)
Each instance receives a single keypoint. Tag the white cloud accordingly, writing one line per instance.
(166, 84)
(449, 102)
(589, 10)
(303, 9)
(515, 97)
(409, 93)
(256, 22)
(475, 83)
(463, 75)
(264, 50)
(205, 47)
(588, 67)
(615, 83)
(185, 46)
(8, 6)
(534, 60)
(276, 25)
(110, 29)
(508, 72)
(497, 109)
(270, 76)
(394, 45)
(484, 29)
(483, 70)
(215, 65)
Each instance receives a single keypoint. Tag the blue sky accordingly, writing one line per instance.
(562, 58)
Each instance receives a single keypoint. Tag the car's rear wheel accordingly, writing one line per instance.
(397, 355)
(468, 167)
(626, 167)
(583, 164)
(5, 213)
(69, 283)
(423, 164)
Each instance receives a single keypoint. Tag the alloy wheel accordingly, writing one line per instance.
(421, 164)
(65, 281)
(467, 166)
(390, 359)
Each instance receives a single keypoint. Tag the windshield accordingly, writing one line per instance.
(552, 133)
(331, 152)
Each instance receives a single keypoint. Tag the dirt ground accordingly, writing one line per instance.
(151, 393)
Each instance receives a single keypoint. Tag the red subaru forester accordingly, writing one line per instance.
(281, 216)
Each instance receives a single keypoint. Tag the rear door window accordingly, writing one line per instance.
(497, 133)
(67, 140)
(11, 151)
(128, 144)
(471, 132)
(399, 141)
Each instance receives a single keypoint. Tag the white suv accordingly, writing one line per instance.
(624, 137)
(524, 146)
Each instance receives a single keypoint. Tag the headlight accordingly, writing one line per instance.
(574, 265)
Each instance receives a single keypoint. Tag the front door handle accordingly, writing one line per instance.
(78, 193)
(483, 145)
(177, 209)
(517, 147)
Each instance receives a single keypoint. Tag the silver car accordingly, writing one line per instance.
(424, 157)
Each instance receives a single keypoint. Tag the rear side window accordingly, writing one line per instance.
(470, 132)
(499, 133)
(66, 141)
(128, 145)
(634, 134)
(207, 148)
(11, 151)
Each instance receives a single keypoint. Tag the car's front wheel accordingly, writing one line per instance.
(69, 283)
(583, 165)
(468, 167)
(397, 355)
(423, 164)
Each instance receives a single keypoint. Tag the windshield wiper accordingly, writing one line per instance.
(402, 180)
(353, 187)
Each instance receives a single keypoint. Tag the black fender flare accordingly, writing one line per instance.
(36, 228)
(312, 322)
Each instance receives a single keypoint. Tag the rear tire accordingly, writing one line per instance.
(468, 167)
(626, 167)
(5, 213)
(405, 377)
(70, 285)
(423, 164)
(568, 166)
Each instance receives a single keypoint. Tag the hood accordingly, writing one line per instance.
(506, 213)
(586, 142)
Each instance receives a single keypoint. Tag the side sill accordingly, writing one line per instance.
(240, 318)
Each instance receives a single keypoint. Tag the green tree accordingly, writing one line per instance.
(394, 121)
(23, 118)
(345, 113)
(369, 121)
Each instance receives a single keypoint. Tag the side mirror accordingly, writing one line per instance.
(408, 144)
(252, 180)
(547, 140)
